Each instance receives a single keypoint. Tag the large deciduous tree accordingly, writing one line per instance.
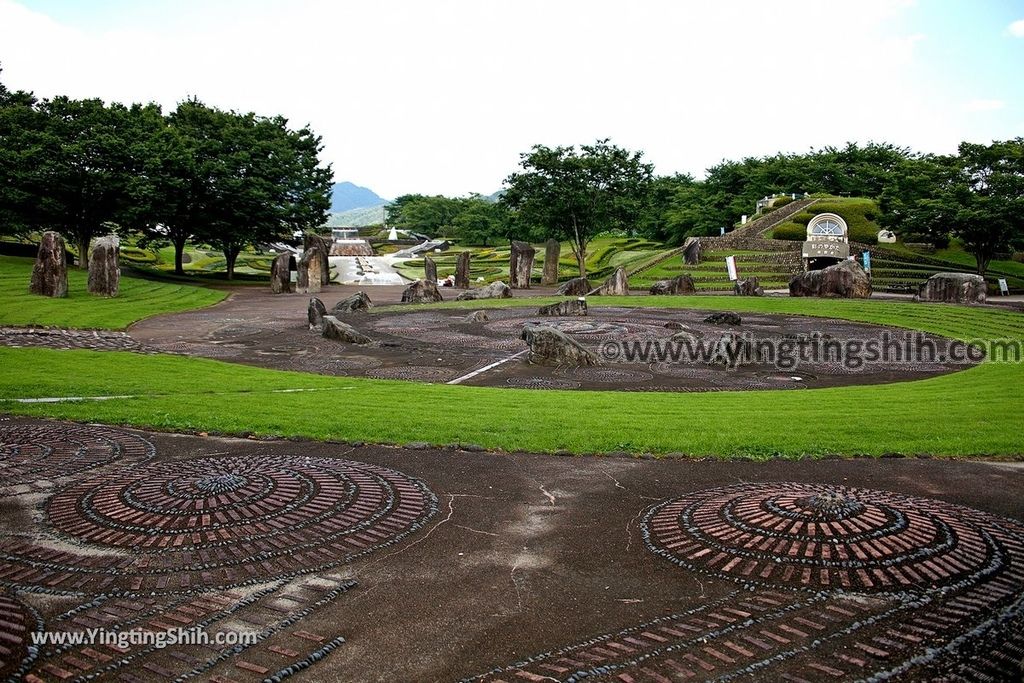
(574, 195)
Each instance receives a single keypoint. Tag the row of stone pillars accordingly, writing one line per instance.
(520, 265)
(314, 268)
(50, 271)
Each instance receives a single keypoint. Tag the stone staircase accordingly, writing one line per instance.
(759, 226)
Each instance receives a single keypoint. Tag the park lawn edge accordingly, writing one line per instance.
(971, 413)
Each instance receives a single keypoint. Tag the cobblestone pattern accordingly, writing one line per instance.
(99, 340)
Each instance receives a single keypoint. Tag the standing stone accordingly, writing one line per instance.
(959, 288)
(429, 270)
(50, 272)
(422, 292)
(315, 313)
(520, 265)
(552, 251)
(462, 271)
(616, 285)
(750, 286)
(844, 280)
(310, 278)
(281, 273)
(311, 240)
(104, 273)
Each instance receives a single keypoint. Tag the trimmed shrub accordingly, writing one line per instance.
(790, 230)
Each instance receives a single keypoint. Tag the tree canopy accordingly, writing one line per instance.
(574, 195)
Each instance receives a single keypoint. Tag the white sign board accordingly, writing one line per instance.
(1004, 288)
(730, 263)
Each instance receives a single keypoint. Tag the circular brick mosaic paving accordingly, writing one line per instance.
(34, 456)
(17, 624)
(817, 536)
(219, 522)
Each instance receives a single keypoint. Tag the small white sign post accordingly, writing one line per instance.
(730, 263)
(1004, 288)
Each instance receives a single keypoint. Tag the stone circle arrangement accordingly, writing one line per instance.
(126, 541)
(834, 583)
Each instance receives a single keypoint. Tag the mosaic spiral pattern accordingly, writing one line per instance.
(420, 373)
(816, 536)
(34, 456)
(541, 383)
(17, 624)
(605, 375)
(218, 522)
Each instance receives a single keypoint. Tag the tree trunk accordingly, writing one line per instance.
(179, 251)
(581, 261)
(83, 251)
(230, 255)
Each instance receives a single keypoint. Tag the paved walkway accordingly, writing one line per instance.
(385, 564)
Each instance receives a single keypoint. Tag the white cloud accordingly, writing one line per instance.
(443, 96)
(984, 105)
(1016, 29)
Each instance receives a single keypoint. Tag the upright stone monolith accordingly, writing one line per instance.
(104, 271)
(429, 270)
(50, 272)
(311, 240)
(462, 271)
(281, 273)
(552, 251)
(520, 265)
(616, 285)
(310, 278)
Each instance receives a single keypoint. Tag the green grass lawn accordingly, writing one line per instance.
(137, 299)
(975, 412)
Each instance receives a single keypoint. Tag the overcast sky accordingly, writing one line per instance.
(442, 96)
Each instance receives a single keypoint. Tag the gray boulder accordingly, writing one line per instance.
(680, 284)
(104, 273)
(616, 285)
(310, 240)
(429, 269)
(578, 286)
(495, 290)
(50, 272)
(357, 303)
(723, 318)
(957, 288)
(311, 273)
(549, 346)
(281, 273)
(844, 280)
(421, 292)
(748, 287)
(315, 312)
(343, 332)
(568, 307)
(476, 317)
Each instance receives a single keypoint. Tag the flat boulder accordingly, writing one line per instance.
(568, 307)
(357, 303)
(343, 332)
(578, 286)
(476, 317)
(50, 272)
(680, 284)
(104, 271)
(549, 346)
(723, 318)
(421, 292)
(844, 280)
(616, 285)
(748, 287)
(315, 313)
(955, 288)
(495, 290)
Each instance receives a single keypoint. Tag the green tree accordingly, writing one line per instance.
(480, 221)
(21, 158)
(574, 195)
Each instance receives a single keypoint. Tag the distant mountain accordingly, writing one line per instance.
(346, 196)
(495, 196)
(357, 218)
